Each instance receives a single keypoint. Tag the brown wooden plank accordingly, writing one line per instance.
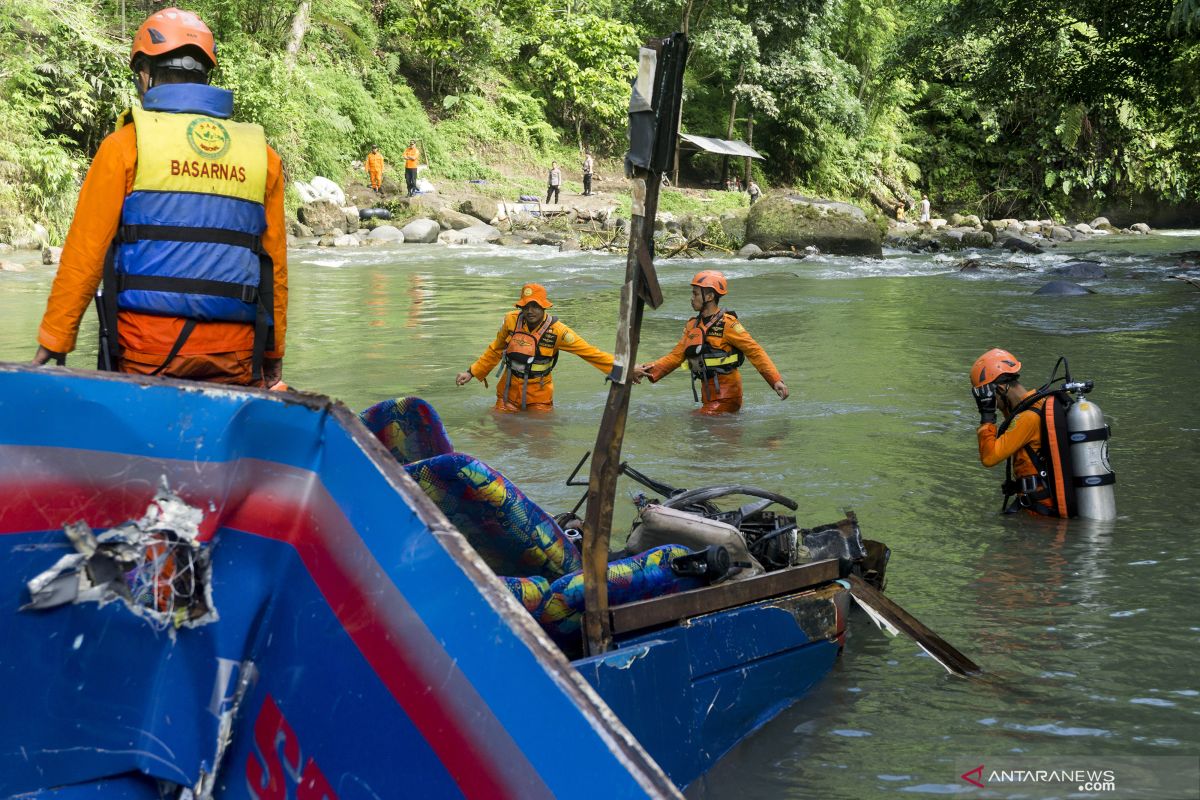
(673, 607)
(936, 646)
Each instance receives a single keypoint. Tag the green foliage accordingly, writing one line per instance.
(63, 80)
(584, 64)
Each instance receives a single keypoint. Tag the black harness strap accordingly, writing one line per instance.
(188, 327)
(128, 234)
(162, 283)
(262, 296)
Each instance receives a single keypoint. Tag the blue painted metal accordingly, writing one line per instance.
(691, 692)
(382, 658)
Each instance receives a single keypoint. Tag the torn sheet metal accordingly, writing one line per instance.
(156, 566)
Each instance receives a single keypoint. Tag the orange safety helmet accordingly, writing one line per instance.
(171, 29)
(991, 365)
(534, 293)
(711, 279)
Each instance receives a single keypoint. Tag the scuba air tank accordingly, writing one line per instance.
(1093, 476)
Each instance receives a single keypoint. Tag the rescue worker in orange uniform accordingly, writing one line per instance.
(528, 343)
(375, 167)
(715, 343)
(412, 159)
(995, 384)
(181, 217)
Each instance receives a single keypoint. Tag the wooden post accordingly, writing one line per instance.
(640, 285)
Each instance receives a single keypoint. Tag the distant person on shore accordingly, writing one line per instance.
(715, 344)
(528, 344)
(729, 184)
(553, 182)
(375, 167)
(753, 190)
(181, 217)
(412, 160)
(589, 165)
(924, 208)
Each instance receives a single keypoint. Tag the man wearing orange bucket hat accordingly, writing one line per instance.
(715, 344)
(526, 347)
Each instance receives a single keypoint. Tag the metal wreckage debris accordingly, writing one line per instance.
(156, 566)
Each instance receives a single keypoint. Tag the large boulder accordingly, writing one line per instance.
(450, 219)
(386, 233)
(1061, 233)
(421, 231)
(749, 250)
(476, 234)
(51, 255)
(1019, 245)
(1139, 227)
(783, 223)
(322, 217)
(299, 229)
(1079, 269)
(482, 208)
(974, 238)
(351, 222)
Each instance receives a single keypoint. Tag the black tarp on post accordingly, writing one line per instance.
(653, 125)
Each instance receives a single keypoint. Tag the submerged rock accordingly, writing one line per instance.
(749, 250)
(1079, 269)
(1063, 288)
(386, 233)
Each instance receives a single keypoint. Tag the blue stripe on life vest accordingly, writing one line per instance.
(204, 260)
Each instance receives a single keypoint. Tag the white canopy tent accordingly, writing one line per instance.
(724, 147)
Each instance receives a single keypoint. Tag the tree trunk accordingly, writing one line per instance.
(732, 122)
(886, 203)
(749, 141)
(298, 29)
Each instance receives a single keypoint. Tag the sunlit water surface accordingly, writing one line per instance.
(1088, 632)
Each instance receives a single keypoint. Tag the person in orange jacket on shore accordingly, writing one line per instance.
(412, 160)
(528, 343)
(181, 217)
(715, 343)
(995, 383)
(375, 167)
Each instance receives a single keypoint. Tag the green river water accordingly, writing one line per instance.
(1086, 630)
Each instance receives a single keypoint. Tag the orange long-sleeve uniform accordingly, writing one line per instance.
(1025, 429)
(539, 396)
(412, 157)
(375, 168)
(146, 339)
(719, 394)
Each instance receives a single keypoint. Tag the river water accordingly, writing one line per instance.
(1086, 630)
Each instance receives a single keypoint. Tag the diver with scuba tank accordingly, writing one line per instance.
(1053, 440)
(526, 347)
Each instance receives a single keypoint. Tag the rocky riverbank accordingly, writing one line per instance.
(1026, 236)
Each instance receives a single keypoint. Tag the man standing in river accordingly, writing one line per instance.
(528, 343)
(715, 344)
(181, 216)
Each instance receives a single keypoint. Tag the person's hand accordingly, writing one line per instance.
(780, 389)
(43, 355)
(985, 401)
(640, 371)
(463, 378)
(272, 371)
